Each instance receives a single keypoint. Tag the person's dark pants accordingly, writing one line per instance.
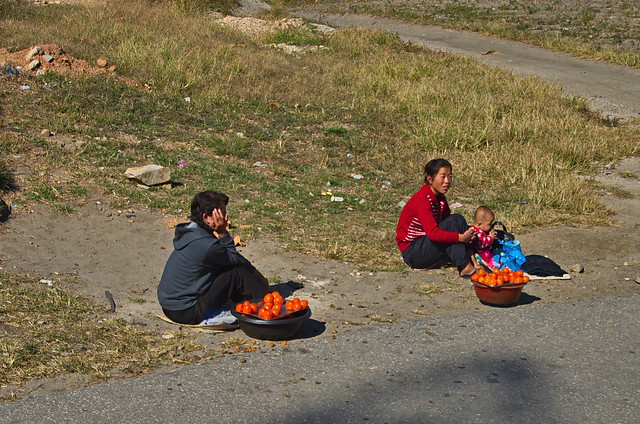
(236, 284)
(423, 253)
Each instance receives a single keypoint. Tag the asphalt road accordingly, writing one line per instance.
(613, 90)
(557, 363)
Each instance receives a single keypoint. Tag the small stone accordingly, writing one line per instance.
(637, 279)
(149, 175)
(40, 72)
(168, 336)
(101, 62)
(112, 68)
(47, 58)
(611, 165)
(33, 52)
(577, 268)
(33, 65)
(46, 133)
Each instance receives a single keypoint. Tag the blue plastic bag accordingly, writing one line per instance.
(509, 254)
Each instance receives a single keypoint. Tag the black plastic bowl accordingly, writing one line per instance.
(272, 329)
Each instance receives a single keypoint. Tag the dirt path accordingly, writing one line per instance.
(611, 89)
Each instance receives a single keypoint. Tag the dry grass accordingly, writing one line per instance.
(594, 29)
(368, 104)
(45, 332)
(429, 289)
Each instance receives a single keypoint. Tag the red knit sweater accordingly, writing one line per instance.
(421, 216)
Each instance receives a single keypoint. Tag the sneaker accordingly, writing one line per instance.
(219, 316)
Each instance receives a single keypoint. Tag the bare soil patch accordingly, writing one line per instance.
(60, 61)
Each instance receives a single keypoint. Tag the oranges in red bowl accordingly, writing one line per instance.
(499, 287)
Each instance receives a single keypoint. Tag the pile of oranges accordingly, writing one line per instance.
(500, 276)
(272, 306)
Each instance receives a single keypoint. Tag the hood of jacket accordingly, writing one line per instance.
(186, 233)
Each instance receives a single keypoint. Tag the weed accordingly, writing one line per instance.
(337, 130)
(378, 318)
(628, 174)
(65, 209)
(235, 342)
(296, 37)
(276, 279)
(429, 289)
(138, 300)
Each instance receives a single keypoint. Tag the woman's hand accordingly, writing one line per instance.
(467, 237)
(219, 222)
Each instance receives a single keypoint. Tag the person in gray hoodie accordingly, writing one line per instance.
(205, 270)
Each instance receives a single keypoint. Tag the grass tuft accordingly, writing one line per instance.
(45, 332)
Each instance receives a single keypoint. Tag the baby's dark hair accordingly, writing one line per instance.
(204, 203)
(483, 212)
(433, 166)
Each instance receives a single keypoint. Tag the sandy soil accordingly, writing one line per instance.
(124, 252)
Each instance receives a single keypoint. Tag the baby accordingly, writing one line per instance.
(483, 226)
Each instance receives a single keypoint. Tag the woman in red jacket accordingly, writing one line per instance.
(427, 234)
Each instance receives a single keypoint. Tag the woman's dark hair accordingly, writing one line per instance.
(204, 203)
(433, 166)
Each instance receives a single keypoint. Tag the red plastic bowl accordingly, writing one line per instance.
(498, 295)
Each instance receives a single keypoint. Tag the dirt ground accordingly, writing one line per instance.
(123, 251)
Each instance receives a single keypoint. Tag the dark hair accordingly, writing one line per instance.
(204, 203)
(433, 166)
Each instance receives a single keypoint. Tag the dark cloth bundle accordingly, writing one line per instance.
(542, 267)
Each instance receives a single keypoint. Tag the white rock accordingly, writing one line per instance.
(149, 174)
(33, 52)
(33, 64)
(577, 268)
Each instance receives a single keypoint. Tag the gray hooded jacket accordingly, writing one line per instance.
(198, 258)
